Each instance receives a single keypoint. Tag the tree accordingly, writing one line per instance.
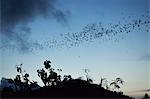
(17, 81)
(67, 78)
(101, 82)
(104, 83)
(43, 75)
(116, 83)
(47, 64)
(25, 84)
(49, 78)
(146, 96)
(88, 78)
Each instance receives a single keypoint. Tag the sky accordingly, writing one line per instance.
(100, 35)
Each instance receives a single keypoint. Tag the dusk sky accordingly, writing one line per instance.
(30, 35)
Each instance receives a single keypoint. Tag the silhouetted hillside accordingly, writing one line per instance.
(55, 87)
(74, 88)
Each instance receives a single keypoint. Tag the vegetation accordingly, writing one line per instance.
(57, 86)
(146, 96)
(49, 79)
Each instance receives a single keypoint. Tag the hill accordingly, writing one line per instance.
(56, 86)
(74, 88)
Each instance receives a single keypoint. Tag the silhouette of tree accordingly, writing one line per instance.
(104, 83)
(23, 85)
(17, 81)
(101, 82)
(47, 64)
(43, 75)
(116, 83)
(67, 78)
(88, 78)
(146, 96)
(120, 93)
(51, 78)
(33, 84)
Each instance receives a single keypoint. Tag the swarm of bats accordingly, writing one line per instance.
(98, 31)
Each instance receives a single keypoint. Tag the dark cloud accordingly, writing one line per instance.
(21, 12)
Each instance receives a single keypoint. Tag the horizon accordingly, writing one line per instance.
(66, 33)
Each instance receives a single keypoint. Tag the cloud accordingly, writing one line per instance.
(16, 13)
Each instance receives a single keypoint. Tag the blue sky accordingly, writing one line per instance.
(127, 58)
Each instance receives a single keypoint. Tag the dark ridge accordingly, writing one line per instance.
(74, 88)
(56, 87)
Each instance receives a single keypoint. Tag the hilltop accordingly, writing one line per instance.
(56, 86)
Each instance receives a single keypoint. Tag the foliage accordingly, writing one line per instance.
(21, 81)
(146, 96)
(88, 78)
(104, 83)
(116, 83)
(51, 77)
